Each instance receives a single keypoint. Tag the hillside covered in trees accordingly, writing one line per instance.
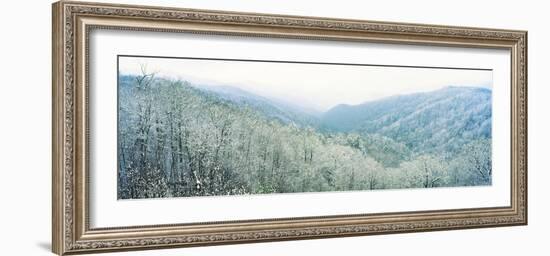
(178, 139)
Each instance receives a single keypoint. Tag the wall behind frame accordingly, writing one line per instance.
(25, 133)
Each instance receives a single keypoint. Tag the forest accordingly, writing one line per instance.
(178, 139)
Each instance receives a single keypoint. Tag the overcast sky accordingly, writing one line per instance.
(318, 86)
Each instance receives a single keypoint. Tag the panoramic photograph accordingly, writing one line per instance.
(192, 127)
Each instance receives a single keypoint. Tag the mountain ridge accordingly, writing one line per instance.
(436, 117)
(274, 108)
(440, 120)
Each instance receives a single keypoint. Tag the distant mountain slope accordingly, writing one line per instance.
(283, 112)
(441, 120)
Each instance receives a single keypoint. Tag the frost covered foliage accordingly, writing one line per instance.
(176, 139)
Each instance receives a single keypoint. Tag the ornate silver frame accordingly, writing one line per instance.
(72, 22)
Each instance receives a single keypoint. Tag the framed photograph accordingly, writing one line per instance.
(179, 127)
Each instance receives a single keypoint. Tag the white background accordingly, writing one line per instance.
(25, 102)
